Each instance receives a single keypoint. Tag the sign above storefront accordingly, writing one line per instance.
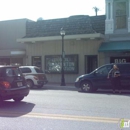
(119, 59)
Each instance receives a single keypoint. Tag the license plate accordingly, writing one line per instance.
(19, 84)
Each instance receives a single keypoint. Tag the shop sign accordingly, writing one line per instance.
(119, 59)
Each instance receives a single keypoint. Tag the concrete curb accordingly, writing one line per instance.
(59, 87)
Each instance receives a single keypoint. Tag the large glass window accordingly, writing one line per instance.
(15, 61)
(53, 64)
(121, 15)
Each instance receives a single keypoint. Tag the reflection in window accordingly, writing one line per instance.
(120, 15)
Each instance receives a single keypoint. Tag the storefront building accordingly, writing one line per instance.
(10, 51)
(84, 35)
(116, 48)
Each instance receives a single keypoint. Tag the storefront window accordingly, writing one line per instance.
(53, 64)
(16, 61)
(4, 61)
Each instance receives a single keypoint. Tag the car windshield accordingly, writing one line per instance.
(13, 72)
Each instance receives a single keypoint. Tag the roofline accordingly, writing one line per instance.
(9, 20)
(67, 37)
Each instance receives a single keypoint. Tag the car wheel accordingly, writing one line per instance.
(18, 99)
(30, 83)
(86, 86)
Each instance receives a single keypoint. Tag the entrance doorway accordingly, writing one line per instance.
(91, 63)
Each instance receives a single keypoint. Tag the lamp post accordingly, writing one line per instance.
(62, 33)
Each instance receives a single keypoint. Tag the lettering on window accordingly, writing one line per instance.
(54, 64)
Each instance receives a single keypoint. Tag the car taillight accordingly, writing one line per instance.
(5, 84)
(36, 78)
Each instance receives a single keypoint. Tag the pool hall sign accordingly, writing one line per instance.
(119, 59)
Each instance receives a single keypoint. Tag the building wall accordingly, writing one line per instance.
(111, 22)
(101, 57)
(80, 47)
(10, 31)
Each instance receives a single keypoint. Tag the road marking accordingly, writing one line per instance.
(60, 117)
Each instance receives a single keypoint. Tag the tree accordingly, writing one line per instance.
(96, 9)
(39, 19)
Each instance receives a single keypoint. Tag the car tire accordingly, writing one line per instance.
(18, 99)
(30, 83)
(86, 86)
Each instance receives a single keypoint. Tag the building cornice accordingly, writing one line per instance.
(67, 37)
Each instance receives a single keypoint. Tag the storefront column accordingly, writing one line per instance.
(109, 22)
(129, 17)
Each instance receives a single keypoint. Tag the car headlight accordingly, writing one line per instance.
(77, 80)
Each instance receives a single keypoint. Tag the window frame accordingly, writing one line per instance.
(76, 66)
(115, 16)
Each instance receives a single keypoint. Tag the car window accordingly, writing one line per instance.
(12, 72)
(25, 70)
(38, 70)
(104, 70)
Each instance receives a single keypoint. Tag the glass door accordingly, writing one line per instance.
(91, 63)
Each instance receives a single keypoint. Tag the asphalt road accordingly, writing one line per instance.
(65, 109)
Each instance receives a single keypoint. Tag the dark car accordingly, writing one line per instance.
(98, 78)
(12, 84)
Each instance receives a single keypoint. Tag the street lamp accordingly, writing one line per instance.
(62, 33)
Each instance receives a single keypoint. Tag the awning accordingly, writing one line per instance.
(115, 46)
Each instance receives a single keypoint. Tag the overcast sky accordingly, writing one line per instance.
(48, 9)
